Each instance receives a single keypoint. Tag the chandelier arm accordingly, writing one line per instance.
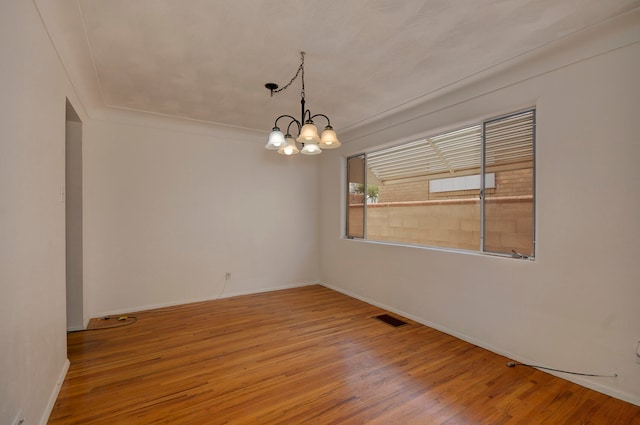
(321, 115)
(275, 124)
(297, 124)
(306, 114)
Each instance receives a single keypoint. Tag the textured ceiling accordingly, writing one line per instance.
(208, 60)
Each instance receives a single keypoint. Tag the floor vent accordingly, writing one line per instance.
(390, 320)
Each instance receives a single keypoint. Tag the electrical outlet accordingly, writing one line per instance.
(638, 353)
(227, 276)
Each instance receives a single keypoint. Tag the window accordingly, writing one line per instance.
(470, 189)
(355, 197)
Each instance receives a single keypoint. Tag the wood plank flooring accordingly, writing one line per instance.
(306, 356)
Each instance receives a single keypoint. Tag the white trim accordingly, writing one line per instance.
(75, 328)
(120, 115)
(436, 248)
(54, 393)
(582, 381)
(196, 300)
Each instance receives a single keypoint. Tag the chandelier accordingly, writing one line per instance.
(307, 135)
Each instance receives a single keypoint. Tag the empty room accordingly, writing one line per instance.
(319, 212)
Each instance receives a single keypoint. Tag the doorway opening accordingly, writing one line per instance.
(73, 219)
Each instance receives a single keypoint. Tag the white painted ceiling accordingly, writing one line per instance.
(208, 60)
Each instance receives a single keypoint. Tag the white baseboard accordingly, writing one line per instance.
(196, 300)
(54, 393)
(75, 328)
(596, 386)
(260, 291)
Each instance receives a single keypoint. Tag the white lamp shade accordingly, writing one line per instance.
(329, 140)
(309, 134)
(311, 149)
(276, 139)
(289, 147)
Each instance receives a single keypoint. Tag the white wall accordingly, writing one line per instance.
(170, 207)
(32, 216)
(576, 306)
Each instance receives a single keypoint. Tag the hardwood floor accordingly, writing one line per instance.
(306, 356)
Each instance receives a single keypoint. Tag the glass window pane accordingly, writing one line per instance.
(355, 196)
(470, 189)
(509, 167)
(428, 191)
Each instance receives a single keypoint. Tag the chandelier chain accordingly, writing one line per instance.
(298, 72)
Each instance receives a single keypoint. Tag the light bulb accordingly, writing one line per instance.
(310, 149)
(289, 147)
(309, 133)
(329, 140)
(276, 139)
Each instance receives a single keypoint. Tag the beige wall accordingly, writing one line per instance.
(172, 206)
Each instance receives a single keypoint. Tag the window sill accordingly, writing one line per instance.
(438, 249)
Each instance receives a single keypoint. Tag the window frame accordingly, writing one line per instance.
(348, 197)
(483, 199)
